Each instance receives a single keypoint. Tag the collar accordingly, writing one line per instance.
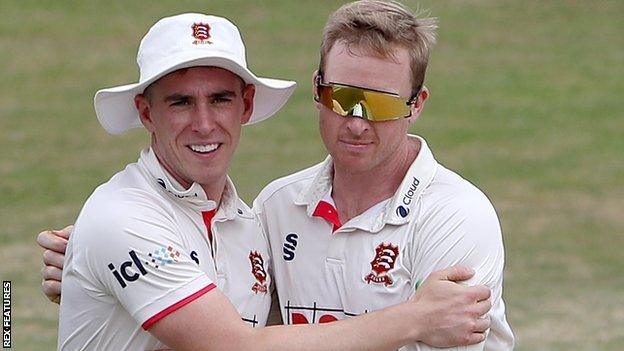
(397, 210)
(326, 209)
(230, 207)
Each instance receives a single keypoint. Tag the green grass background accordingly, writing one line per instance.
(527, 102)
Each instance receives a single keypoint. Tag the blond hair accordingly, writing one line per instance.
(379, 27)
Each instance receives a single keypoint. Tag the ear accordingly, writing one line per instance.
(418, 105)
(143, 107)
(248, 100)
(315, 80)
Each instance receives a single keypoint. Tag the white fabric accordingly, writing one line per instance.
(171, 44)
(435, 219)
(143, 210)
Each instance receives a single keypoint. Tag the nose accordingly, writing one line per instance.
(357, 126)
(203, 119)
(357, 110)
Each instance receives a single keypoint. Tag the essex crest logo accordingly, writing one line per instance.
(201, 33)
(382, 264)
(257, 269)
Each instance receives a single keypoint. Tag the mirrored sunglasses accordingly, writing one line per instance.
(373, 105)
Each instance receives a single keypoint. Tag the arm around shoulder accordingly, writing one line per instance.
(211, 323)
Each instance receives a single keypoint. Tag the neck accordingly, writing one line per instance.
(356, 192)
(214, 190)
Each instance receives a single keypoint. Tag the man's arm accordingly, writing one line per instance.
(211, 323)
(442, 313)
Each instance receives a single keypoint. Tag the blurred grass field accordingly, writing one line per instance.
(527, 103)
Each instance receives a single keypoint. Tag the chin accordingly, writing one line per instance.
(353, 164)
(208, 177)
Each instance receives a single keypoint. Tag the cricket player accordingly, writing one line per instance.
(366, 226)
(161, 251)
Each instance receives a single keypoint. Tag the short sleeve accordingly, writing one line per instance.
(464, 229)
(129, 244)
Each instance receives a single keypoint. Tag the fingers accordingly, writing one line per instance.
(454, 273)
(475, 338)
(51, 258)
(65, 232)
(51, 273)
(55, 243)
(52, 290)
(483, 307)
(482, 324)
(50, 241)
(479, 329)
(479, 292)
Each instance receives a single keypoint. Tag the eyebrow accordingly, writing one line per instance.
(223, 94)
(215, 95)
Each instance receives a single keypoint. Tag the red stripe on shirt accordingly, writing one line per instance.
(167, 311)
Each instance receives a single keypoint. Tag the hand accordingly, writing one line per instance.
(55, 243)
(452, 314)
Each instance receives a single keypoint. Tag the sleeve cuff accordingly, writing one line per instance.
(185, 301)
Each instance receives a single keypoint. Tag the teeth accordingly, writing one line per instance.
(204, 148)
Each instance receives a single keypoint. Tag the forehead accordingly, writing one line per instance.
(357, 66)
(213, 78)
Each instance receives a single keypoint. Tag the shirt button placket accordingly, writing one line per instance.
(337, 245)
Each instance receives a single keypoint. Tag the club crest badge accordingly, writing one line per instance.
(201, 33)
(257, 269)
(385, 257)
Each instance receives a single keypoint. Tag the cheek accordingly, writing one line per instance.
(236, 134)
(230, 125)
(170, 125)
(167, 134)
(324, 130)
(329, 124)
(390, 134)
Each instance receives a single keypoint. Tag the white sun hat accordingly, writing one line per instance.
(182, 41)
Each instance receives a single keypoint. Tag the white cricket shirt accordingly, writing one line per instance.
(326, 270)
(141, 250)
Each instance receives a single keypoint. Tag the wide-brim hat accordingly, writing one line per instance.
(183, 41)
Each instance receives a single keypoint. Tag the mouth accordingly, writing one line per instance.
(204, 149)
(355, 144)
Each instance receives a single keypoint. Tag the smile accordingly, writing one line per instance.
(204, 149)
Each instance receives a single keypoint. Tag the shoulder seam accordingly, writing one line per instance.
(278, 184)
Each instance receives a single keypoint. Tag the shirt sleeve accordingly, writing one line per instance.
(464, 229)
(129, 244)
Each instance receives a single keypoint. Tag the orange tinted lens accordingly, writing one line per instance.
(325, 96)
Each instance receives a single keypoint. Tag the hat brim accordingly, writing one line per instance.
(117, 113)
